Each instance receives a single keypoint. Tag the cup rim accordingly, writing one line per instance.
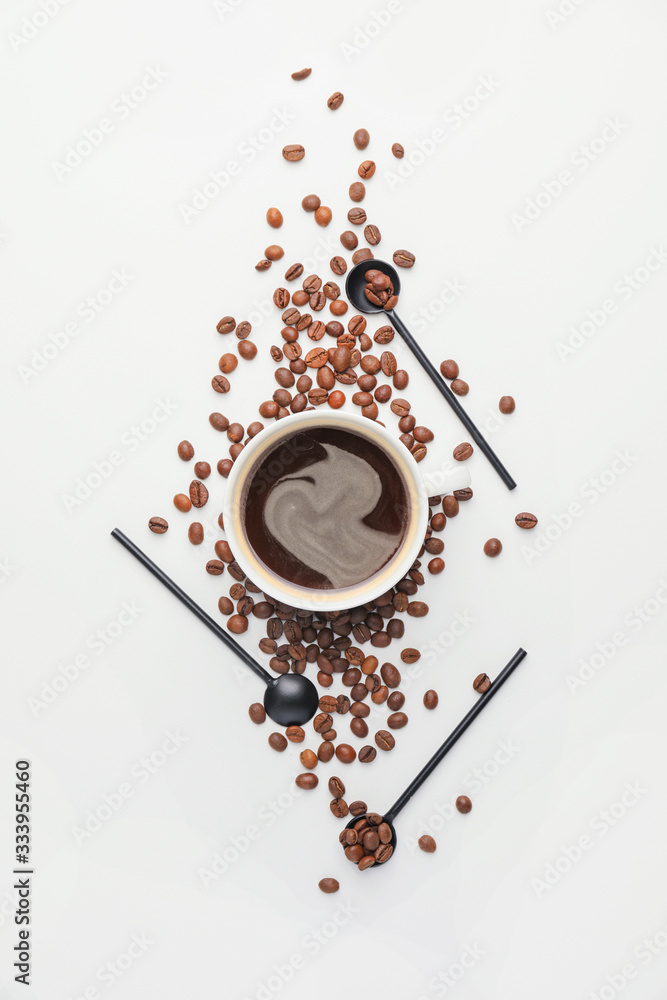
(325, 600)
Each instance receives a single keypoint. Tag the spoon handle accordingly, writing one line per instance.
(191, 605)
(454, 736)
(445, 391)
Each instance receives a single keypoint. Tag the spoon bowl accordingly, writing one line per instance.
(356, 282)
(392, 842)
(291, 699)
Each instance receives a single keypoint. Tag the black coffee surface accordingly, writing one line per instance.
(326, 508)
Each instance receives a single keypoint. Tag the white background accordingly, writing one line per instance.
(500, 886)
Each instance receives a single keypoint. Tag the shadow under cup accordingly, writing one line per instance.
(260, 468)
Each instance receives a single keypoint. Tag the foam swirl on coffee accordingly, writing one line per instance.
(319, 518)
(326, 509)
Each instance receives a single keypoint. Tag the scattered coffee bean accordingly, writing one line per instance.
(398, 151)
(277, 742)
(295, 734)
(308, 759)
(357, 216)
(403, 258)
(185, 451)
(463, 804)
(295, 271)
(202, 470)
(345, 753)
(361, 138)
(338, 265)
(417, 609)
(226, 324)
(198, 493)
(293, 152)
(323, 215)
(214, 567)
(449, 369)
(357, 191)
(506, 404)
(384, 740)
(335, 101)
(361, 255)
(328, 885)
(339, 808)
(460, 387)
(220, 383)
(301, 74)
(372, 235)
(237, 624)
(493, 547)
(525, 520)
(225, 606)
(325, 752)
(307, 781)
(366, 169)
(336, 787)
(431, 699)
(274, 217)
(218, 421)
(410, 655)
(367, 754)
(274, 252)
(196, 533)
(310, 203)
(158, 525)
(436, 565)
(482, 683)
(462, 451)
(358, 808)
(349, 239)
(182, 503)
(257, 713)
(427, 843)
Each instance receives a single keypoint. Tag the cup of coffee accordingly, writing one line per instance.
(325, 511)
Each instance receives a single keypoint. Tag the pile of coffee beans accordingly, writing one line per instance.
(379, 288)
(368, 841)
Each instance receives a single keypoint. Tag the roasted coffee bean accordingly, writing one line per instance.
(370, 839)
(525, 520)
(226, 324)
(225, 606)
(262, 609)
(299, 298)
(257, 713)
(506, 404)
(407, 424)
(322, 722)
(493, 547)
(220, 383)
(339, 808)
(336, 787)
(323, 215)
(366, 169)
(462, 451)
(460, 387)
(403, 258)
(292, 352)
(227, 363)
(354, 853)
(293, 152)
(379, 696)
(449, 369)
(237, 624)
(310, 203)
(277, 742)
(359, 710)
(338, 265)
(357, 192)
(358, 692)
(185, 451)
(317, 329)
(182, 503)
(308, 759)
(398, 151)
(380, 640)
(267, 645)
(361, 138)
(335, 101)
(397, 721)
(214, 567)
(331, 290)
(410, 655)
(196, 533)
(384, 740)
(395, 630)
(401, 380)
(345, 753)
(281, 298)
(295, 734)
(235, 571)
(218, 421)
(388, 363)
(367, 754)
(395, 701)
(366, 862)
(301, 74)
(384, 336)
(307, 781)
(482, 683)
(247, 350)
(325, 377)
(325, 752)
(274, 252)
(359, 727)
(243, 330)
(417, 609)
(198, 493)
(372, 235)
(274, 216)
(390, 675)
(434, 546)
(463, 804)
(276, 354)
(463, 495)
(450, 506)
(431, 699)
(438, 522)
(427, 843)
(295, 271)
(357, 216)
(358, 808)
(284, 377)
(316, 358)
(328, 885)
(158, 525)
(424, 435)
(342, 704)
(436, 565)
(361, 255)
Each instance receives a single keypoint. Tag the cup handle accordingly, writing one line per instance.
(444, 478)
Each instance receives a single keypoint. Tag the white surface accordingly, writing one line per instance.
(554, 86)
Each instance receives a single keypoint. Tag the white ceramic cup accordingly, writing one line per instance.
(419, 485)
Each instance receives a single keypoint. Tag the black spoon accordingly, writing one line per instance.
(354, 286)
(290, 699)
(414, 785)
